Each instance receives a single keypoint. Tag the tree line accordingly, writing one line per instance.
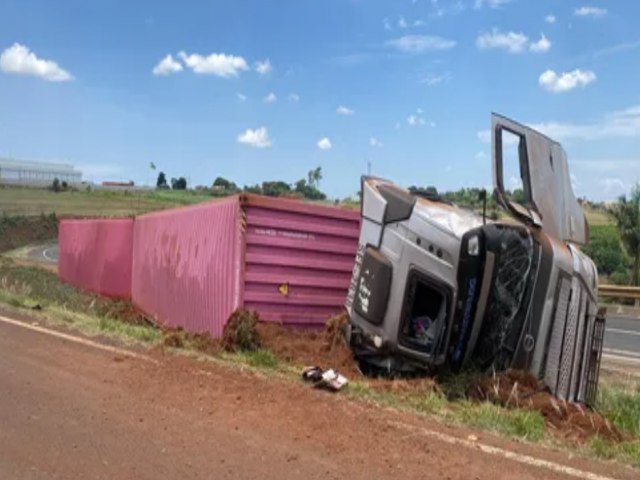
(308, 187)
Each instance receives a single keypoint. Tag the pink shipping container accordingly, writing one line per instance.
(187, 265)
(291, 261)
(96, 255)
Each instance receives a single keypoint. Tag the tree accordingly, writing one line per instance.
(277, 188)
(257, 189)
(606, 251)
(308, 191)
(162, 180)
(179, 183)
(314, 176)
(223, 186)
(627, 215)
(56, 185)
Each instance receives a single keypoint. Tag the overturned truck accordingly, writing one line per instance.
(436, 286)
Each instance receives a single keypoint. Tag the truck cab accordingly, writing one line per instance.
(436, 286)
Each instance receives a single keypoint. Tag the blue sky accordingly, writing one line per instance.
(253, 89)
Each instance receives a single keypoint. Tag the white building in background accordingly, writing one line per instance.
(22, 172)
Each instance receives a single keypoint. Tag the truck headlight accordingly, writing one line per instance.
(473, 246)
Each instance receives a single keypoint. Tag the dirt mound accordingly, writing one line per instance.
(240, 333)
(326, 348)
(201, 342)
(573, 422)
(16, 232)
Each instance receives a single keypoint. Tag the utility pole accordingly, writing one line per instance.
(369, 168)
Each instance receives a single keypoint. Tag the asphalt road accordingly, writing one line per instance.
(71, 410)
(45, 253)
(622, 337)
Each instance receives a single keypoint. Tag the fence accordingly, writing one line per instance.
(618, 291)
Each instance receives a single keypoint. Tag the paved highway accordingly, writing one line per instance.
(622, 337)
(45, 253)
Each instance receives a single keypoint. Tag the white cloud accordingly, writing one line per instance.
(270, 98)
(414, 120)
(618, 124)
(419, 23)
(387, 24)
(484, 136)
(402, 23)
(542, 45)
(481, 155)
(167, 66)
(512, 42)
(294, 97)
(374, 142)
(490, 3)
(324, 144)
(397, 126)
(263, 67)
(241, 97)
(342, 110)
(219, 64)
(613, 187)
(258, 138)
(19, 60)
(550, 18)
(441, 10)
(566, 81)
(433, 79)
(421, 43)
(615, 49)
(593, 12)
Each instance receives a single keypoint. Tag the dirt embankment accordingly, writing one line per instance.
(569, 421)
(16, 232)
(326, 348)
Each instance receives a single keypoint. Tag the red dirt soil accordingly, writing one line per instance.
(325, 349)
(511, 389)
(569, 421)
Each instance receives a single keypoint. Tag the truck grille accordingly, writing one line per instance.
(575, 346)
(508, 299)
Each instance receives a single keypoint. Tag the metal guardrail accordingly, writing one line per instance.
(618, 291)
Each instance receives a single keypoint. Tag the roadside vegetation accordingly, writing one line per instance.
(38, 294)
(19, 231)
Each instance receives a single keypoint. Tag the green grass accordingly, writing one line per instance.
(38, 290)
(261, 358)
(626, 452)
(29, 202)
(598, 217)
(522, 424)
(621, 405)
